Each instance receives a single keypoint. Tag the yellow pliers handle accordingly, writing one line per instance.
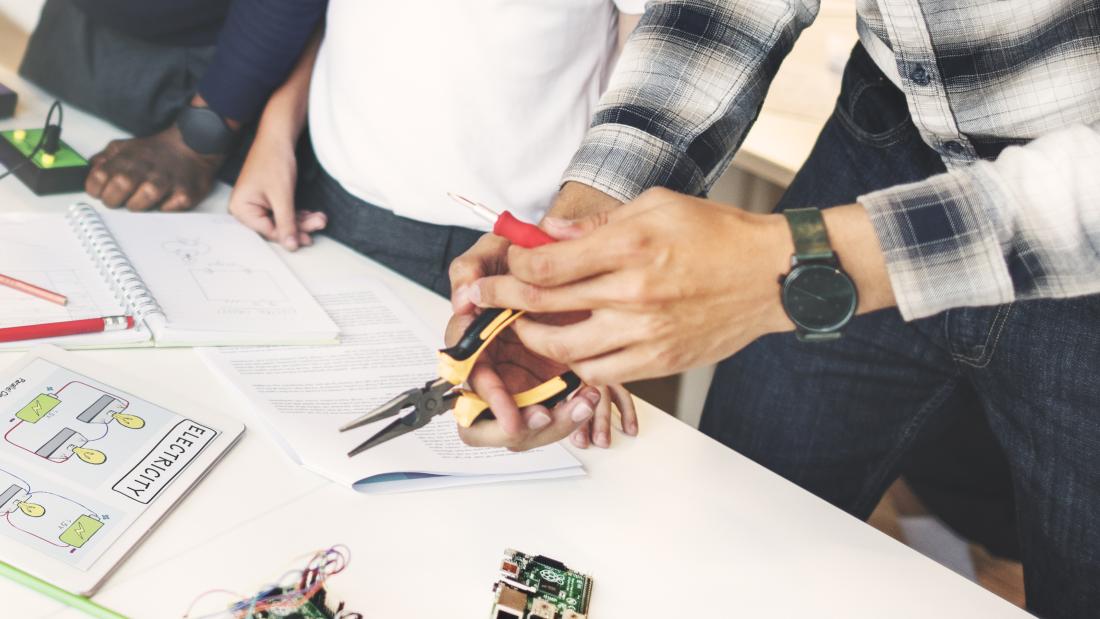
(456, 363)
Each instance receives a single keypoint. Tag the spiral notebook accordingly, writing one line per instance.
(188, 279)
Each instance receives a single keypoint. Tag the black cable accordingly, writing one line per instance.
(42, 139)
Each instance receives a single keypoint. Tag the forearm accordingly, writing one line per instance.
(257, 48)
(684, 92)
(577, 200)
(284, 116)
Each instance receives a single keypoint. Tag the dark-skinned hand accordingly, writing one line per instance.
(150, 172)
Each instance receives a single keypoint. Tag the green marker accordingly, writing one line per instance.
(58, 594)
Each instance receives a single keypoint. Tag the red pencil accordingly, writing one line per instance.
(32, 290)
(69, 327)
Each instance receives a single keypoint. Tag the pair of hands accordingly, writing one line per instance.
(662, 284)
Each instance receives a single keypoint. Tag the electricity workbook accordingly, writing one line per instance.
(87, 467)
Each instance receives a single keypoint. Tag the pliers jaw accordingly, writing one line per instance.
(434, 398)
(426, 401)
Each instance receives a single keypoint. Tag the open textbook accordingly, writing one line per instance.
(303, 395)
(188, 279)
(87, 468)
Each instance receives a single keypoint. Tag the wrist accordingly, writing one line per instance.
(199, 101)
(777, 250)
(577, 201)
(856, 245)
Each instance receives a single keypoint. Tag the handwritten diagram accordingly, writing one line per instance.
(56, 426)
(50, 517)
(186, 250)
(233, 284)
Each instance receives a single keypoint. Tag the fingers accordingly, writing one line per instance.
(600, 243)
(486, 257)
(631, 363)
(456, 326)
(286, 221)
(180, 200)
(311, 221)
(625, 403)
(255, 216)
(601, 422)
(610, 290)
(117, 190)
(603, 332)
(565, 418)
(148, 195)
(580, 436)
(489, 386)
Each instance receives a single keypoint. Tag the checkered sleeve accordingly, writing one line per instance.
(689, 83)
(1022, 227)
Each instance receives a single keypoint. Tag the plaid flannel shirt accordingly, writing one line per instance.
(693, 76)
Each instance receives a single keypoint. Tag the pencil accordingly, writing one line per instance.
(68, 327)
(32, 290)
(57, 594)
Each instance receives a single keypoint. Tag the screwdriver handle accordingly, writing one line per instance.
(520, 232)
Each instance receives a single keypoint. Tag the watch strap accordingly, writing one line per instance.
(205, 131)
(811, 240)
(810, 336)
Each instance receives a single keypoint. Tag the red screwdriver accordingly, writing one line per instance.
(506, 225)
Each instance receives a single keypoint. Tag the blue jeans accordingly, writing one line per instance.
(840, 418)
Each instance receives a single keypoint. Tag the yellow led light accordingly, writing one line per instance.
(47, 160)
(19, 135)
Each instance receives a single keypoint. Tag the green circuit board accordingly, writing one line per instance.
(538, 587)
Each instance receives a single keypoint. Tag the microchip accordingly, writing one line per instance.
(549, 586)
(548, 589)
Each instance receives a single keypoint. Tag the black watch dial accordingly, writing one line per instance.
(819, 298)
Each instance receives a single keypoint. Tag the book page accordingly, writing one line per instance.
(80, 461)
(42, 249)
(305, 394)
(217, 281)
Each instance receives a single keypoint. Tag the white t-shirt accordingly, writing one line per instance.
(486, 98)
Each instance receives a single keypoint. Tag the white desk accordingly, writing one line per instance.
(670, 524)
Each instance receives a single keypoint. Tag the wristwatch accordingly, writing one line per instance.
(205, 131)
(817, 295)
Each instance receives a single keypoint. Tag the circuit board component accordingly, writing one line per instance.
(538, 587)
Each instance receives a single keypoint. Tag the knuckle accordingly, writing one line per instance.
(636, 290)
(670, 357)
(588, 375)
(542, 267)
(559, 351)
(532, 295)
(461, 268)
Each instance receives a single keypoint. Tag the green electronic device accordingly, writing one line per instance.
(45, 174)
(538, 587)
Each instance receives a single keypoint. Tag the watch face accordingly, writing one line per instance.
(819, 298)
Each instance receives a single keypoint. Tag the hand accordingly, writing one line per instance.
(159, 170)
(489, 255)
(263, 197)
(671, 282)
(505, 368)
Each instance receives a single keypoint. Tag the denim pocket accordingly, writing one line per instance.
(870, 106)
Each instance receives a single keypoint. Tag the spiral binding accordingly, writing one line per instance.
(113, 264)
